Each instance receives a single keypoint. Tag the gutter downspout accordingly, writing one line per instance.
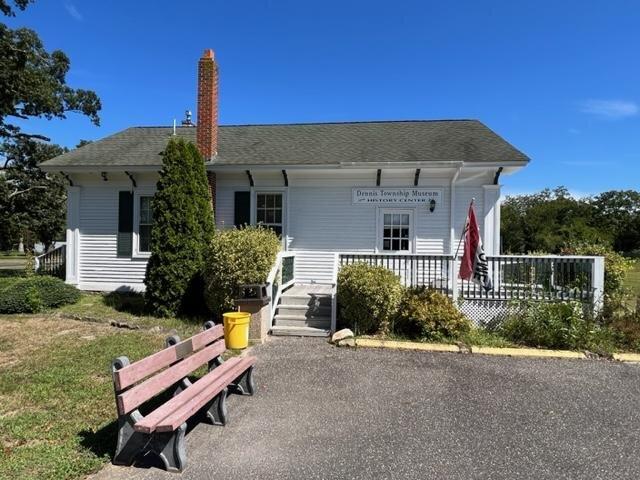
(452, 207)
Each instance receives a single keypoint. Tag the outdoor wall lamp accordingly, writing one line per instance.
(432, 205)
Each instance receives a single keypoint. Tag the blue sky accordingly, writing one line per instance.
(558, 79)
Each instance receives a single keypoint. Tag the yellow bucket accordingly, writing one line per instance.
(236, 329)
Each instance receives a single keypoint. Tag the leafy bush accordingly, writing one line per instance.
(557, 325)
(368, 297)
(32, 294)
(236, 257)
(427, 314)
(626, 326)
(616, 266)
(182, 228)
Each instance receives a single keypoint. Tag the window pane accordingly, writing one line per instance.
(395, 244)
(260, 216)
(395, 233)
(396, 219)
(278, 203)
(145, 238)
(145, 210)
(261, 201)
(386, 232)
(404, 233)
(387, 219)
(404, 244)
(405, 219)
(270, 216)
(278, 216)
(277, 229)
(386, 245)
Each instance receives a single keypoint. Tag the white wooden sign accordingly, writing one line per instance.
(393, 195)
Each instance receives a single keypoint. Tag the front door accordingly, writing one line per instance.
(395, 231)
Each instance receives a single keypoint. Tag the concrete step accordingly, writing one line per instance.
(302, 321)
(313, 299)
(299, 331)
(309, 311)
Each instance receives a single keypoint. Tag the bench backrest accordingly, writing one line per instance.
(181, 359)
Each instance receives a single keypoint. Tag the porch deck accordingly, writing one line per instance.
(303, 307)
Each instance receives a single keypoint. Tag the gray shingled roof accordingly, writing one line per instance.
(309, 144)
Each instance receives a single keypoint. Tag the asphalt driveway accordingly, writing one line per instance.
(323, 412)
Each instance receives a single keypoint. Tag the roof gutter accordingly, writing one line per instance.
(286, 166)
(100, 168)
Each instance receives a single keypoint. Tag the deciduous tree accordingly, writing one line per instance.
(31, 201)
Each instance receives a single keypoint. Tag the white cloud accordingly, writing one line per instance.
(612, 109)
(73, 11)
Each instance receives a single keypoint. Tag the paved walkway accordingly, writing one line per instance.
(323, 413)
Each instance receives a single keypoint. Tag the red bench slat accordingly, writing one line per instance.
(146, 390)
(148, 423)
(135, 372)
(186, 411)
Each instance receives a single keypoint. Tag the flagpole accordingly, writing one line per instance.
(455, 257)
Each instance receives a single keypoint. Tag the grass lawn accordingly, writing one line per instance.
(11, 265)
(124, 308)
(57, 411)
(11, 254)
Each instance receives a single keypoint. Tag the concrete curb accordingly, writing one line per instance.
(627, 357)
(397, 345)
(496, 351)
(527, 352)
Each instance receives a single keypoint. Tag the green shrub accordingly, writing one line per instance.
(557, 325)
(368, 297)
(427, 314)
(616, 268)
(32, 294)
(236, 257)
(182, 228)
(626, 326)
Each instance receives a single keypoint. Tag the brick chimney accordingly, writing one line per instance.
(207, 128)
(207, 134)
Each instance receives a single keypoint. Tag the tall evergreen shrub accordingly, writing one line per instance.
(182, 228)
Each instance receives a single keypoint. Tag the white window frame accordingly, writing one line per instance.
(136, 223)
(270, 191)
(380, 226)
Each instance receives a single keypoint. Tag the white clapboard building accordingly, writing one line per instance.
(380, 187)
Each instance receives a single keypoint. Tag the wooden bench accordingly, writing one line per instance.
(162, 430)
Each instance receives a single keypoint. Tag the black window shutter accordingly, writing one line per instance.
(125, 224)
(242, 209)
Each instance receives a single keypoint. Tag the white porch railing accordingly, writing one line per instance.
(53, 262)
(280, 278)
(514, 277)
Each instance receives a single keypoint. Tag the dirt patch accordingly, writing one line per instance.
(23, 335)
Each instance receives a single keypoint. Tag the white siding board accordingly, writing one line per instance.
(314, 267)
(464, 195)
(321, 220)
(224, 214)
(99, 264)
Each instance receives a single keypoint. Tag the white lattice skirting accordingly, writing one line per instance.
(488, 313)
